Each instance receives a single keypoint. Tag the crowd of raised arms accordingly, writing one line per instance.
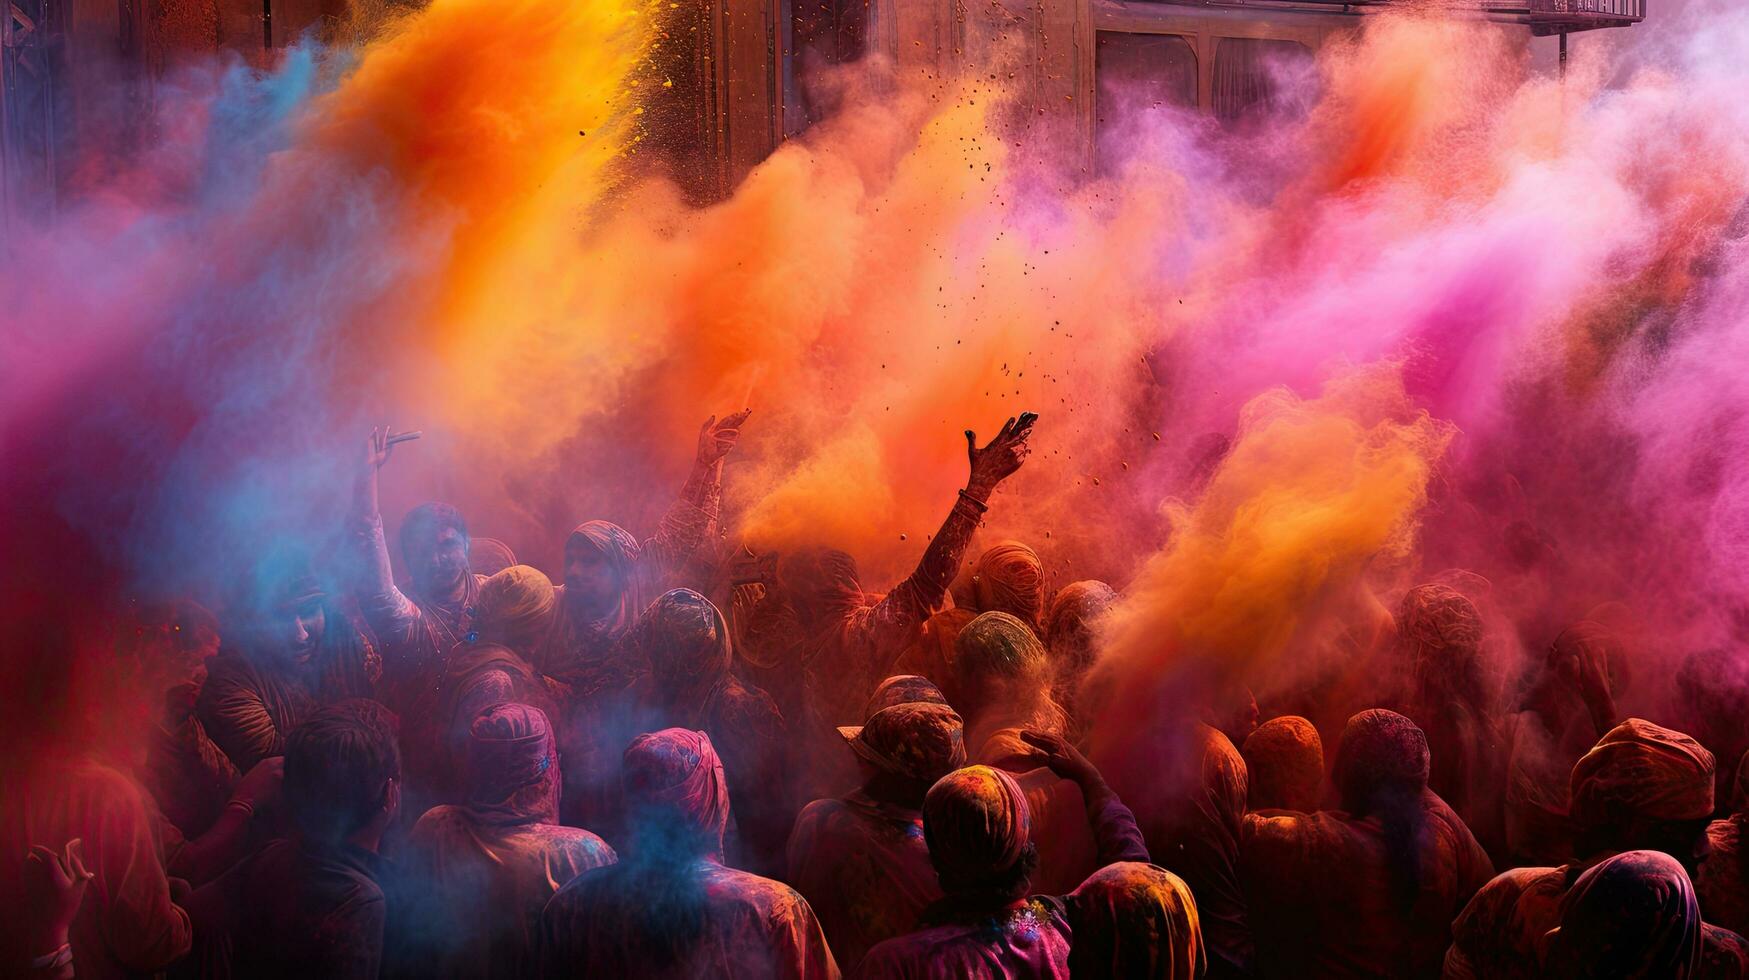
(673, 765)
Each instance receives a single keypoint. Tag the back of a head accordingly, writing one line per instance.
(515, 607)
(996, 645)
(1382, 767)
(903, 689)
(1284, 758)
(513, 763)
(1641, 785)
(675, 788)
(1073, 619)
(915, 742)
(1135, 920)
(817, 580)
(979, 830)
(1441, 630)
(1009, 577)
(338, 763)
(686, 641)
(1633, 915)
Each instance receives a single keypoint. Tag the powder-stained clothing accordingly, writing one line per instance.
(127, 925)
(1633, 915)
(189, 776)
(249, 704)
(863, 866)
(1137, 920)
(935, 650)
(1723, 879)
(751, 927)
(1027, 940)
(1284, 765)
(1321, 896)
(1067, 842)
(296, 909)
(484, 876)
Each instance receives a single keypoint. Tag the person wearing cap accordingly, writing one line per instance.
(978, 828)
(860, 859)
(296, 652)
(671, 907)
(1641, 787)
(481, 872)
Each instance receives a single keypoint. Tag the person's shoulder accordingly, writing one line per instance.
(588, 847)
(765, 898)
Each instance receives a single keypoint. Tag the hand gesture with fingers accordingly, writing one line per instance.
(1060, 756)
(54, 885)
(717, 438)
(1002, 456)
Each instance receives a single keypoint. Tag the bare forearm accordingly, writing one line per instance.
(207, 856)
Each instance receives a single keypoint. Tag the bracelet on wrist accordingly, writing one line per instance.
(247, 807)
(977, 504)
(55, 959)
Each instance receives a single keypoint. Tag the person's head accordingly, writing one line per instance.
(513, 763)
(979, 832)
(515, 608)
(599, 558)
(1642, 786)
(174, 641)
(903, 689)
(999, 658)
(1440, 631)
(818, 582)
(434, 544)
(677, 798)
(289, 609)
(1633, 915)
(1285, 760)
(489, 556)
(1135, 920)
(1010, 578)
(1382, 766)
(686, 641)
(343, 771)
(1072, 628)
(905, 748)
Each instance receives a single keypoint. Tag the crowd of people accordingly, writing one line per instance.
(672, 766)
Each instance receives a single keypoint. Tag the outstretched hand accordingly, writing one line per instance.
(54, 885)
(1003, 455)
(377, 448)
(1060, 756)
(717, 438)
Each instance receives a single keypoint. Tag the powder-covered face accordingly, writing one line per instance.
(591, 581)
(438, 562)
(295, 633)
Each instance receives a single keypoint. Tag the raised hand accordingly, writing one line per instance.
(54, 885)
(1060, 756)
(1002, 456)
(716, 439)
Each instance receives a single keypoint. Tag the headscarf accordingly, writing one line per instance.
(1592, 644)
(1641, 771)
(1439, 624)
(1010, 578)
(903, 689)
(513, 765)
(1380, 750)
(821, 584)
(685, 640)
(676, 773)
(977, 825)
(1135, 920)
(1285, 759)
(621, 550)
(489, 556)
(1634, 915)
(516, 603)
(918, 741)
(1069, 627)
(997, 644)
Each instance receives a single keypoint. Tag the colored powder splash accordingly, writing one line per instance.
(1452, 296)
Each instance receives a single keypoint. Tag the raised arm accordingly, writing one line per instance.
(687, 522)
(1114, 826)
(391, 615)
(916, 598)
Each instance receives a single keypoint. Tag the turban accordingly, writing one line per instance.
(1010, 578)
(919, 741)
(489, 556)
(820, 580)
(678, 772)
(1075, 611)
(511, 749)
(1634, 915)
(1639, 770)
(517, 602)
(1135, 920)
(903, 689)
(686, 641)
(1000, 645)
(1440, 618)
(1285, 760)
(1380, 750)
(976, 823)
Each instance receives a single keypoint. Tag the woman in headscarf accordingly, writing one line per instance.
(610, 578)
(684, 639)
(1633, 915)
(480, 873)
(980, 835)
(861, 859)
(1071, 636)
(1369, 890)
(670, 908)
(1135, 920)
(1641, 787)
(1723, 879)
(1440, 634)
(298, 651)
(1284, 760)
(1008, 577)
(849, 640)
(1567, 709)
